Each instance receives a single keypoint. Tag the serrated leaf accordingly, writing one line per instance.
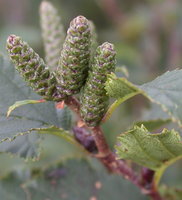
(58, 132)
(152, 125)
(121, 89)
(155, 151)
(12, 89)
(62, 151)
(80, 180)
(25, 146)
(165, 90)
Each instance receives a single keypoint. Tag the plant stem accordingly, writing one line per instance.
(73, 104)
(108, 158)
(100, 141)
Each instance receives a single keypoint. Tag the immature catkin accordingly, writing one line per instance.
(33, 70)
(75, 56)
(94, 100)
(53, 33)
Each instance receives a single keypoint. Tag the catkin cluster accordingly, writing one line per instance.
(77, 67)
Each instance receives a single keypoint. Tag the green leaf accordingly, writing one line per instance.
(152, 125)
(121, 89)
(12, 89)
(58, 132)
(80, 180)
(62, 151)
(165, 91)
(155, 151)
(26, 146)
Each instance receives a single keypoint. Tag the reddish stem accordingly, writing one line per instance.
(109, 160)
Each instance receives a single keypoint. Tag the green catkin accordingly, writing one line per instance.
(53, 33)
(94, 100)
(75, 56)
(33, 69)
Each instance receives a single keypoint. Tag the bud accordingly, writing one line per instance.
(33, 70)
(75, 56)
(94, 100)
(52, 32)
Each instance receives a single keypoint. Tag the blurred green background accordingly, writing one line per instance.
(147, 35)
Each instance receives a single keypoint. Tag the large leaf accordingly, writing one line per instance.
(80, 180)
(58, 132)
(12, 89)
(165, 90)
(54, 150)
(155, 151)
(26, 146)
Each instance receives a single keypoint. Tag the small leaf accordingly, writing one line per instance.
(165, 91)
(121, 89)
(22, 103)
(155, 151)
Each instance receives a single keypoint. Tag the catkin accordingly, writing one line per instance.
(94, 100)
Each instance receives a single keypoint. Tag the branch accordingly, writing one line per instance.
(108, 158)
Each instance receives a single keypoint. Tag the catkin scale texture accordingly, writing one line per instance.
(75, 56)
(33, 69)
(94, 100)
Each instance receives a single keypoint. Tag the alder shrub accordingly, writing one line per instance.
(78, 77)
